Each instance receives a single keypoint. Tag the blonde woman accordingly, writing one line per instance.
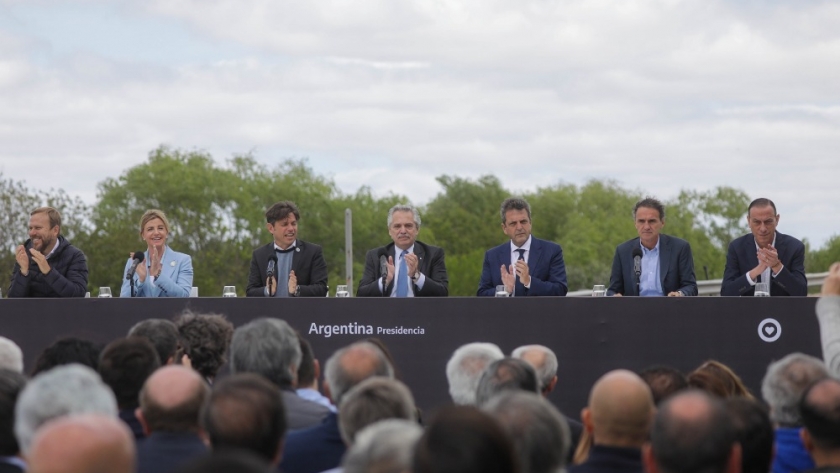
(163, 271)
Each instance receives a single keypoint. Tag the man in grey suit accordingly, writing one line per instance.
(270, 347)
(666, 267)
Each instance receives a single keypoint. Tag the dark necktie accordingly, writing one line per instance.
(402, 280)
(518, 288)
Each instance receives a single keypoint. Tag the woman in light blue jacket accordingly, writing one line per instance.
(163, 271)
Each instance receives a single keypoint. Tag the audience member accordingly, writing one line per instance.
(208, 336)
(11, 357)
(692, 433)
(125, 365)
(68, 350)
(372, 400)
(828, 315)
(386, 446)
(618, 417)
(308, 374)
(228, 461)
(754, 432)
(163, 334)
(663, 381)
(11, 384)
(782, 388)
(87, 443)
(271, 348)
(719, 380)
(170, 407)
(245, 411)
(465, 367)
(64, 390)
(504, 375)
(321, 447)
(820, 409)
(482, 444)
(540, 434)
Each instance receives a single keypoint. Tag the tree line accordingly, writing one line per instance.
(217, 216)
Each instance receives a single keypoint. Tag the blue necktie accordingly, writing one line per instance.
(402, 279)
(518, 288)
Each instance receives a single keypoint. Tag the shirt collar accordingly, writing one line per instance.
(771, 244)
(277, 248)
(398, 251)
(655, 249)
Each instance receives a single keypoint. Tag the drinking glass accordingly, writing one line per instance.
(501, 291)
(104, 292)
(599, 290)
(762, 289)
(229, 291)
(193, 291)
(341, 291)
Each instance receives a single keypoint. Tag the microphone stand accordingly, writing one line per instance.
(131, 284)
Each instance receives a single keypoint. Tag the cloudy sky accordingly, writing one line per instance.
(660, 95)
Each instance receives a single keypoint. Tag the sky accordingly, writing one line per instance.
(658, 95)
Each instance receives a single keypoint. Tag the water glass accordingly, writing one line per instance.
(762, 289)
(193, 291)
(341, 291)
(599, 290)
(501, 291)
(229, 291)
(105, 292)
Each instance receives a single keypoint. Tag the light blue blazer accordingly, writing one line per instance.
(176, 277)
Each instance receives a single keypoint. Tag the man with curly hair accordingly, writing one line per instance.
(208, 336)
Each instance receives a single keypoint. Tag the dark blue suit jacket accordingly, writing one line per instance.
(676, 267)
(545, 264)
(166, 452)
(315, 449)
(741, 258)
(603, 459)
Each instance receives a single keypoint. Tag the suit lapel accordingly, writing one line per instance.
(664, 259)
(296, 259)
(750, 252)
(535, 256)
(420, 252)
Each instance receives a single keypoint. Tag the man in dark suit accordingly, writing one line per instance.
(527, 266)
(298, 266)
(170, 405)
(667, 267)
(406, 267)
(764, 255)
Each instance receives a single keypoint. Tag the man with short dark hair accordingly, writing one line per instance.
(764, 255)
(692, 434)
(66, 351)
(754, 432)
(47, 265)
(170, 407)
(125, 365)
(245, 411)
(11, 384)
(820, 408)
(308, 374)
(666, 265)
(507, 374)
(526, 265)
(271, 348)
(663, 381)
(320, 448)
(406, 267)
(782, 388)
(163, 335)
(299, 266)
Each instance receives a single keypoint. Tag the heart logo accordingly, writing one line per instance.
(769, 330)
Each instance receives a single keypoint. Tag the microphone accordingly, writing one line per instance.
(139, 256)
(383, 262)
(637, 265)
(272, 263)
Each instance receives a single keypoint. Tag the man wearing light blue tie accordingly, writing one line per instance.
(527, 266)
(406, 267)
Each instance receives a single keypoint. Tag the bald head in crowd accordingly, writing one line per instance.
(353, 364)
(171, 400)
(692, 433)
(87, 443)
(620, 410)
